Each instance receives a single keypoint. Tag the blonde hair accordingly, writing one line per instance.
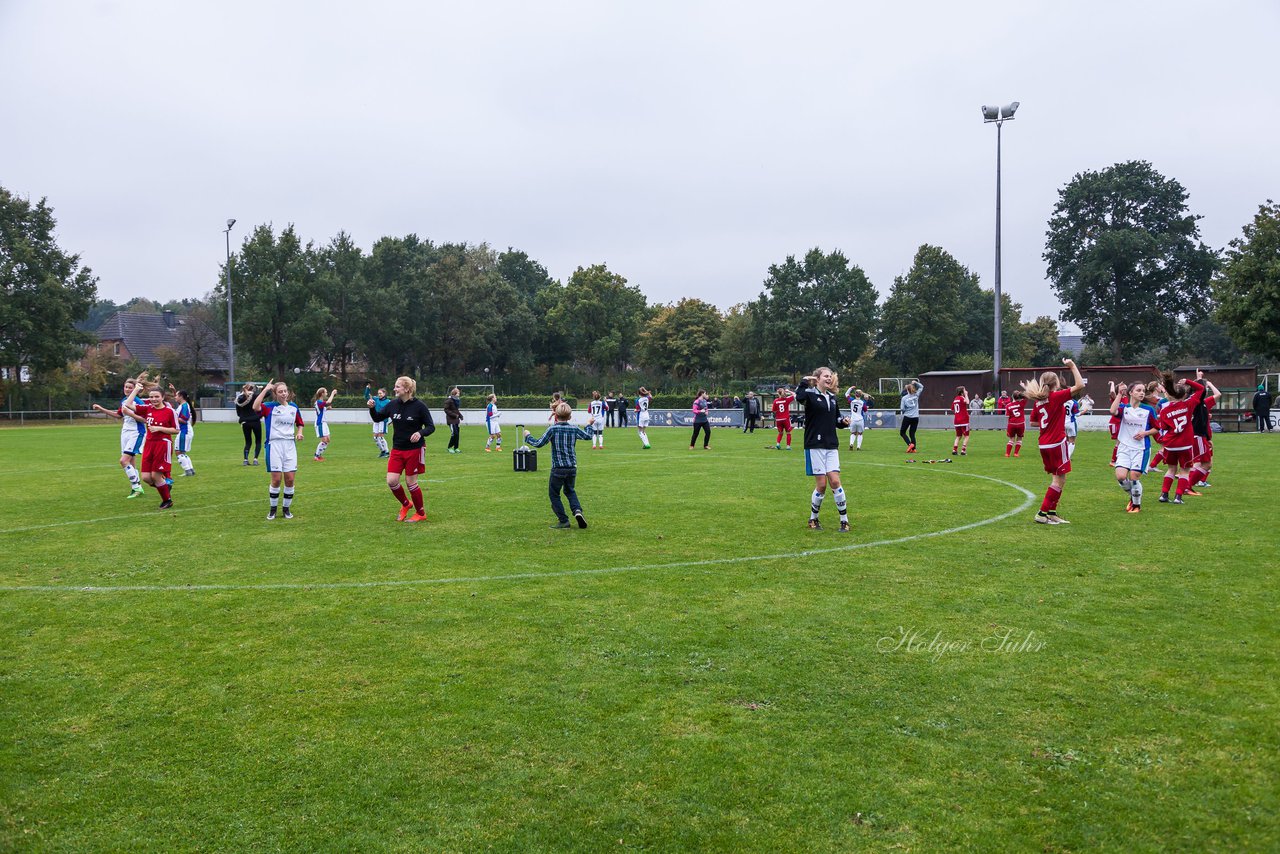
(1040, 389)
(409, 383)
(321, 392)
(563, 411)
(492, 398)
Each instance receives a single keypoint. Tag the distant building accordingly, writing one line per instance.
(1072, 345)
(130, 335)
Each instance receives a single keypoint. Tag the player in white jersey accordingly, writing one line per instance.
(493, 422)
(186, 431)
(643, 399)
(283, 420)
(132, 434)
(597, 412)
(858, 405)
(1133, 442)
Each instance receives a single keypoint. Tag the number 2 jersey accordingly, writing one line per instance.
(1051, 416)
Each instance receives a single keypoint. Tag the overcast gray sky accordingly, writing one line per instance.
(686, 145)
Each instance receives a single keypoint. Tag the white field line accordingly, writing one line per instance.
(1028, 499)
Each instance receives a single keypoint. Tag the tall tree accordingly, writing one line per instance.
(1042, 336)
(341, 285)
(601, 314)
(682, 338)
(43, 290)
(738, 354)
(279, 317)
(1125, 257)
(817, 310)
(926, 319)
(1248, 289)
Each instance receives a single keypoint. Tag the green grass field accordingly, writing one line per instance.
(695, 671)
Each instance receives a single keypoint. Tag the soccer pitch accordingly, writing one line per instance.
(696, 670)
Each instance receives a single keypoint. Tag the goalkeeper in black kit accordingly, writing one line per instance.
(411, 422)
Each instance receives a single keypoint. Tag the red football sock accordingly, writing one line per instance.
(778, 441)
(1008, 448)
(1157, 460)
(163, 489)
(415, 492)
(1051, 496)
(398, 492)
(1184, 483)
(1168, 484)
(788, 440)
(1114, 451)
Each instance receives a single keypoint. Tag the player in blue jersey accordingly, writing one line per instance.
(380, 404)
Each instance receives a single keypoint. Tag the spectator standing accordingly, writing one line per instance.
(611, 408)
(452, 417)
(750, 412)
(1262, 407)
(989, 404)
(622, 409)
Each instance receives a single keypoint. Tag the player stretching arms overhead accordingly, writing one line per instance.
(960, 414)
(1133, 441)
(1178, 436)
(1202, 427)
(595, 410)
(817, 393)
(1016, 408)
(321, 404)
(782, 417)
(1051, 415)
(411, 424)
(859, 405)
(162, 426)
(132, 433)
(643, 399)
(283, 420)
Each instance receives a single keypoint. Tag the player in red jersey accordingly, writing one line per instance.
(162, 426)
(782, 416)
(1016, 408)
(1202, 427)
(1178, 436)
(1051, 415)
(960, 419)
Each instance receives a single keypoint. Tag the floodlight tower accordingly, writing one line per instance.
(231, 341)
(998, 115)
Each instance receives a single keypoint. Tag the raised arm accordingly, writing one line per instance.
(1077, 381)
(332, 395)
(106, 411)
(262, 395)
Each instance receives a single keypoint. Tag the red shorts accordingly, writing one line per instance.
(1114, 429)
(1182, 458)
(784, 425)
(1015, 431)
(157, 454)
(1056, 459)
(1201, 451)
(962, 429)
(411, 462)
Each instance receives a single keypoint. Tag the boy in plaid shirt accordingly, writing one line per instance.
(564, 463)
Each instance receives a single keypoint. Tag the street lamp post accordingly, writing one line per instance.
(998, 115)
(231, 339)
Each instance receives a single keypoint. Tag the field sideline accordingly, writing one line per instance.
(696, 670)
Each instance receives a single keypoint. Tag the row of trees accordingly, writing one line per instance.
(1123, 254)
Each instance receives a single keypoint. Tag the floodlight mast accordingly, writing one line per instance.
(231, 345)
(998, 116)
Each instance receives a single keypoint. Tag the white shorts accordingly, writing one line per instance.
(642, 420)
(131, 443)
(857, 425)
(821, 461)
(182, 442)
(1133, 459)
(495, 425)
(322, 430)
(1071, 429)
(282, 456)
(380, 428)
